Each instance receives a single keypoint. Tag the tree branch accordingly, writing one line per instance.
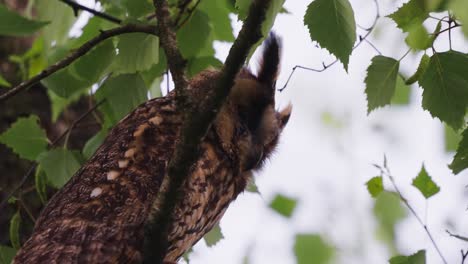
(130, 28)
(168, 40)
(76, 6)
(197, 119)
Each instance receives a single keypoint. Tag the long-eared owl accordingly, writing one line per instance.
(100, 214)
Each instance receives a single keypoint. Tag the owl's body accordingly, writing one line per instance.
(100, 214)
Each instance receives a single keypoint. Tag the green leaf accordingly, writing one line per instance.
(452, 139)
(93, 143)
(417, 258)
(91, 30)
(193, 35)
(40, 180)
(460, 9)
(61, 19)
(410, 14)
(157, 70)
(242, 7)
(445, 85)
(381, 81)
(137, 52)
(25, 137)
(218, 13)
(418, 38)
(199, 64)
(64, 84)
(460, 161)
(424, 183)
(58, 103)
(123, 93)
(95, 63)
(311, 248)
(423, 64)
(138, 8)
(214, 236)
(252, 186)
(331, 23)
(15, 222)
(59, 165)
(4, 82)
(375, 186)
(402, 92)
(388, 211)
(6, 254)
(283, 205)
(12, 24)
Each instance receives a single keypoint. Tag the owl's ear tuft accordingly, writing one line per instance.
(283, 115)
(270, 61)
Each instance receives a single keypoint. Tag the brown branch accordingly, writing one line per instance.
(105, 34)
(198, 118)
(76, 7)
(175, 61)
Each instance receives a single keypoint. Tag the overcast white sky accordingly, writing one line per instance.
(326, 167)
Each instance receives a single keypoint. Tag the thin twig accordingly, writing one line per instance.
(464, 256)
(74, 55)
(405, 201)
(182, 6)
(457, 236)
(52, 144)
(76, 7)
(26, 209)
(326, 66)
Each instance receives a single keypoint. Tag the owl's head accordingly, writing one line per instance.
(249, 117)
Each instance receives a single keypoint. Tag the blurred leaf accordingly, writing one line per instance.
(445, 85)
(218, 13)
(138, 8)
(58, 103)
(4, 82)
(402, 92)
(418, 38)
(155, 88)
(15, 222)
(214, 236)
(283, 205)
(123, 93)
(157, 70)
(388, 211)
(12, 24)
(452, 139)
(375, 186)
(6, 254)
(331, 23)
(424, 183)
(381, 81)
(186, 255)
(40, 180)
(199, 64)
(460, 9)
(311, 248)
(252, 186)
(417, 258)
(93, 143)
(95, 63)
(410, 14)
(425, 59)
(61, 19)
(91, 29)
(193, 35)
(64, 84)
(36, 58)
(59, 165)
(137, 52)
(242, 7)
(25, 137)
(460, 161)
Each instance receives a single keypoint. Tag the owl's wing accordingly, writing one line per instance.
(99, 215)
